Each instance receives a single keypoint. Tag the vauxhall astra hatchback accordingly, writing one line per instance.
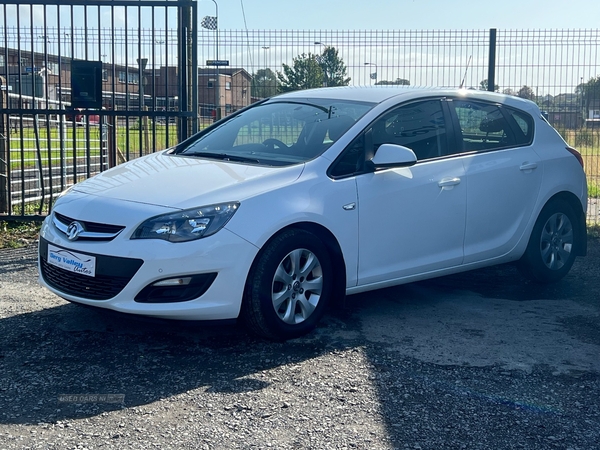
(277, 211)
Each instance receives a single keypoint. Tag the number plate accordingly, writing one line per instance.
(72, 261)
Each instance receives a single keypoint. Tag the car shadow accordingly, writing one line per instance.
(73, 350)
(504, 282)
(50, 356)
(464, 361)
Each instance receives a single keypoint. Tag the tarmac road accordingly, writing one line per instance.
(481, 360)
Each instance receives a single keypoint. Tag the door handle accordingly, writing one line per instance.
(528, 166)
(449, 183)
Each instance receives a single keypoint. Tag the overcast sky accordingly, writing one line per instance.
(404, 14)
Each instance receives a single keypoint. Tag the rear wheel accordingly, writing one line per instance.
(551, 249)
(289, 287)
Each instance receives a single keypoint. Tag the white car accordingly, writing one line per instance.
(277, 211)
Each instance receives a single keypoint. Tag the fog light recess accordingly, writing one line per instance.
(176, 289)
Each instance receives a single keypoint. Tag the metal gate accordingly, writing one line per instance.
(86, 85)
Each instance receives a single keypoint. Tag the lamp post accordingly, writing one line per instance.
(46, 47)
(261, 85)
(320, 61)
(102, 58)
(142, 62)
(159, 42)
(265, 48)
(372, 76)
(582, 92)
(67, 42)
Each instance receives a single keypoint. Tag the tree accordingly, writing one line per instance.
(526, 92)
(509, 91)
(264, 83)
(334, 69)
(305, 73)
(483, 86)
(398, 82)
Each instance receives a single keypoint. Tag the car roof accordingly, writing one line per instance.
(380, 94)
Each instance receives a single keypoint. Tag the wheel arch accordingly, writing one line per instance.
(333, 247)
(581, 229)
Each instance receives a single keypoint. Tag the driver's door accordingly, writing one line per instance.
(412, 219)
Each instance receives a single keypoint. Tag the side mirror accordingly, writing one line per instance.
(392, 155)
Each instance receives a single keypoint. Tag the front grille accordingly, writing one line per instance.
(102, 231)
(112, 275)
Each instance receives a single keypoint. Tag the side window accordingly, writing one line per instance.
(487, 127)
(483, 126)
(418, 126)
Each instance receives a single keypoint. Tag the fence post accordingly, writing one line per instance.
(183, 75)
(4, 144)
(111, 148)
(492, 61)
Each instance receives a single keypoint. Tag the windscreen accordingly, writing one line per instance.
(279, 132)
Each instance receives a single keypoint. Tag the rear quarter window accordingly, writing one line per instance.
(525, 126)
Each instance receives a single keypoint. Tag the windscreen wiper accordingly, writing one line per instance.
(223, 157)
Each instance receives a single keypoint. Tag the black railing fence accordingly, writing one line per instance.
(86, 85)
(557, 69)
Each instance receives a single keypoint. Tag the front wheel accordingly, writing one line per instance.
(289, 286)
(551, 249)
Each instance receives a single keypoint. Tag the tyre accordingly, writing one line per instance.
(289, 286)
(551, 249)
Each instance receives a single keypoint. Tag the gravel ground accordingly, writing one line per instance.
(482, 360)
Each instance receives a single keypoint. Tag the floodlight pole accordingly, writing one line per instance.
(217, 87)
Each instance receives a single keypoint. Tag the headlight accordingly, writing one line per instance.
(187, 225)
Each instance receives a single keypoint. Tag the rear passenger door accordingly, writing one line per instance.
(503, 176)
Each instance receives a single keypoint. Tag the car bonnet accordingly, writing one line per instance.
(181, 182)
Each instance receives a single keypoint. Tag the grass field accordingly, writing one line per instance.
(587, 142)
(75, 143)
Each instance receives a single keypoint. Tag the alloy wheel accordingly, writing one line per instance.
(557, 241)
(297, 286)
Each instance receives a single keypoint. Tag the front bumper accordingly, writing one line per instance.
(126, 267)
